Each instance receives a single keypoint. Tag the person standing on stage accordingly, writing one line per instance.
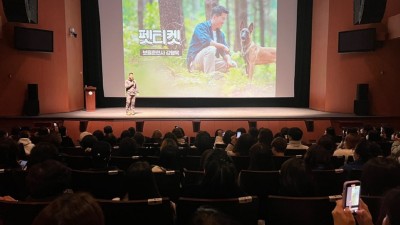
(131, 91)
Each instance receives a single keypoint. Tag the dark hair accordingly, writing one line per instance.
(318, 158)
(100, 154)
(379, 175)
(227, 136)
(374, 135)
(279, 143)
(178, 132)
(206, 215)
(48, 179)
(88, 141)
(125, 134)
(390, 207)
(99, 134)
(170, 135)
(295, 180)
(220, 179)
(330, 131)
(261, 158)
(62, 130)
(327, 142)
(367, 150)
(24, 134)
(71, 209)
(295, 133)
(107, 130)
(127, 147)
(243, 144)
(139, 138)
(42, 152)
(203, 141)
(132, 131)
(253, 131)
(140, 182)
(265, 136)
(169, 157)
(8, 154)
(218, 10)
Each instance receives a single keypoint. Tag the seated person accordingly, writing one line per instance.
(279, 145)
(295, 135)
(295, 179)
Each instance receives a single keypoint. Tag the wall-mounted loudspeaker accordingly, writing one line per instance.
(31, 105)
(22, 11)
(309, 125)
(196, 126)
(139, 126)
(368, 11)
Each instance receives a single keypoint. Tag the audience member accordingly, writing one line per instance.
(328, 143)
(203, 142)
(100, 153)
(127, 148)
(139, 138)
(42, 152)
(180, 135)
(109, 136)
(124, 134)
(295, 135)
(396, 144)
(253, 131)
(71, 209)
(318, 158)
(205, 215)
(379, 175)
(169, 157)
(87, 142)
(8, 154)
(364, 151)
(265, 137)
(156, 137)
(66, 141)
(132, 131)
(350, 143)
(295, 179)
(261, 158)
(140, 182)
(219, 135)
(279, 145)
(47, 180)
(242, 146)
(99, 134)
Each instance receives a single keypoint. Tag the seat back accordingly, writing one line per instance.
(123, 162)
(77, 162)
(241, 162)
(191, 162)
(299, 210)
(243, 210)
(101, 184)
(260, 183)
(12, 182)
(20, 213)
(72, 151)
(192, 177)
(143, 212)
(295, 152)
(279, 160)
(169, 183)
(329, 182)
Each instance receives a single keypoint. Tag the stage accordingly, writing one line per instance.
(215, 113)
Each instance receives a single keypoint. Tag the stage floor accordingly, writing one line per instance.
(230, 113)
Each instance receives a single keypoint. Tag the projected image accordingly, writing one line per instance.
(185, 48)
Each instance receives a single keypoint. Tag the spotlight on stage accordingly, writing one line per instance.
(139, 126)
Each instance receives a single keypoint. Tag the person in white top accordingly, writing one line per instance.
(295, 135)
(350, 143)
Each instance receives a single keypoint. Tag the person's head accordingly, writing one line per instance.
(203, 141)
(88, 141)
(48, 179)
(295, 134)
(139, 138)
(227, 136)
(71, 209)
(261, 158)
(389, 213)
(100, 153)
(220, 174)
(379, 175)
(24, 134)
(366, 150)
(265, 136)
(42, 152)
(330, 131)
(219, 132)
(253, 131)
(374, 135)
(132, 131)
(209, 216)
(8, 153)
(243, 144)
(130, 76)
(128, 147)
(157, 135)
(351, 141)
(140, 182)
(327, 142)
(170, 135)
(99, 134)
(63, 131)
(295, 180)
(108, 130)
(318, 158)
(279, 145)
(218, 16)
(169, 157)
(178, 132)
(125, 134)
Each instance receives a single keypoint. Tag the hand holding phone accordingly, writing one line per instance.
(351, 195)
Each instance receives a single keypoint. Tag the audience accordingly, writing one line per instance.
(66, 141)
(209, 216)
(109, 136)
(350, 143)
(364, 151)
(265, 137)
(99, 134)
(279, 145)
(26, 142)
(127, 148)
(156, 137)
(71, 209)
(8, 154)
(42, 152)
(295, 179)
(318, 158)
(261, 158)
(295, 135)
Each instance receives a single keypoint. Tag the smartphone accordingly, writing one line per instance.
(351, 195)
(238, 134)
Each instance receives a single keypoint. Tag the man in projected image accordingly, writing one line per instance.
(208, 50)
(131, 92)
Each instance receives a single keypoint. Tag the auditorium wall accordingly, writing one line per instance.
(334, 76)
(58, 74)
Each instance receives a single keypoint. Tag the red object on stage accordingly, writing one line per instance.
(90, 97)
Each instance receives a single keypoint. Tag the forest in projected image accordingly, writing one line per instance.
(156, 38)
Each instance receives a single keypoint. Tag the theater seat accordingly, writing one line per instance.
(20, 213)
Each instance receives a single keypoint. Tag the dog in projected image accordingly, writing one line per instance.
(252, 53)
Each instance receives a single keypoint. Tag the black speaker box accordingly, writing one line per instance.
(139, 126)
(33, 92)
(196, 126)
(22, 11)
(31, 108)
(368, 11)
(252, 123)
(309, 125)
(362, 92)
(361, 107)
